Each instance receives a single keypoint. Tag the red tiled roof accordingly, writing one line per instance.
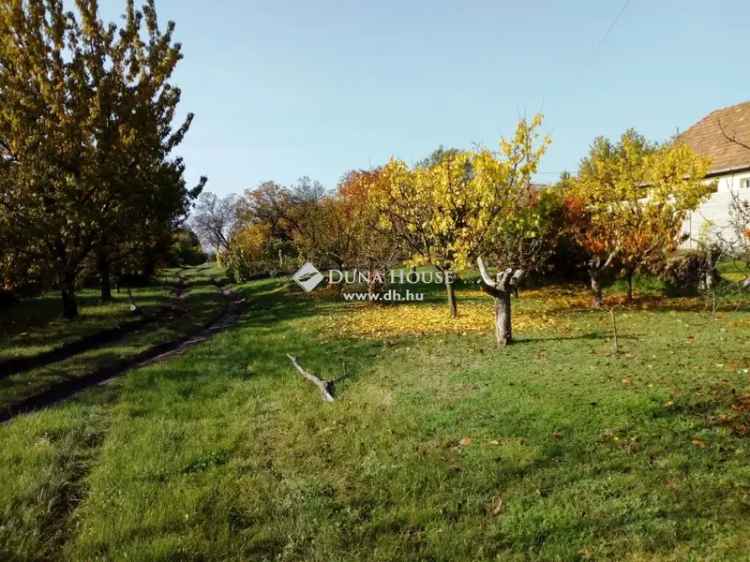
(723, 136)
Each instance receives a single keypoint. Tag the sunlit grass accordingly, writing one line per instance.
(440, 447)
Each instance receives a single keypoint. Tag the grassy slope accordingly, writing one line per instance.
(440, 448)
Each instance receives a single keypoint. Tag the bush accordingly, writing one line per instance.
(685, 273)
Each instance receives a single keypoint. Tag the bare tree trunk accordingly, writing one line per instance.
(596, 288)
(450, 288)
(103, 265)
(630, 286)
(374, 284)
(503, 320)
(615, 342)
(68, 292)
(501, 289)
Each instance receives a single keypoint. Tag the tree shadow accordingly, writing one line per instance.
(593, 336)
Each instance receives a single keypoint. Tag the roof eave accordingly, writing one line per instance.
(730, 170)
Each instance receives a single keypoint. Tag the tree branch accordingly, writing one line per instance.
(732, 138)
(486, 279)
(326, 387)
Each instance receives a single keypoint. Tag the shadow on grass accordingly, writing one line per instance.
(105, 368)
(603, 336)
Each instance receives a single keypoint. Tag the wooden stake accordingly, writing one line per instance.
(616, 345)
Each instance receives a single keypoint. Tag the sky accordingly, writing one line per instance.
(286, 89)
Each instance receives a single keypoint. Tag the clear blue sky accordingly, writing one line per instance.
(285, 89)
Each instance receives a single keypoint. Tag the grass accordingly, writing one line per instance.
(440, 447)
(35, 325)
(200, 303)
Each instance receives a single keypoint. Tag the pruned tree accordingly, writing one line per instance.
(520, 244)
(501, 289)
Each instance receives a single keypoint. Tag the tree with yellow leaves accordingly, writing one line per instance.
(250, 251)
(637, 195)
(87, 131)
(460, 203)
(425, 208)
(516, 236)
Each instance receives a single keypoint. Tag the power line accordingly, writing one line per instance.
(612, 26)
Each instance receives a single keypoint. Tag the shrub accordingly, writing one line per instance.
(685, 273)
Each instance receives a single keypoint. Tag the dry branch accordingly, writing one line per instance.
(326, 387)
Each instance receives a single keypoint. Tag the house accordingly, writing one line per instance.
(724, 137)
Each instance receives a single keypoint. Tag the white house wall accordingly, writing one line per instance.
(712, 218)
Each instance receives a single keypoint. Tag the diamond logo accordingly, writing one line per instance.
(308, 277)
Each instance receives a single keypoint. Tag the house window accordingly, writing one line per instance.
(745, 183)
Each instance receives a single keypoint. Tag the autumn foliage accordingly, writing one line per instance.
(627, 205)
(623, 211)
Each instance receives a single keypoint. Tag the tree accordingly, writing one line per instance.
(634, 197)
(412, 211)
(269, 203)
(444, 211)
(85, 126)
(596, 240)
(213, 220)
(371, 248)
(142, 243)
(517, 235)
(304, 221)
(251, 251)
(186, 248)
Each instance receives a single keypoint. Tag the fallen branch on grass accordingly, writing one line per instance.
(326, 387)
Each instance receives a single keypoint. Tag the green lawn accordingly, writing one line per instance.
(35, 325)
(439, 448)
(201, 302)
